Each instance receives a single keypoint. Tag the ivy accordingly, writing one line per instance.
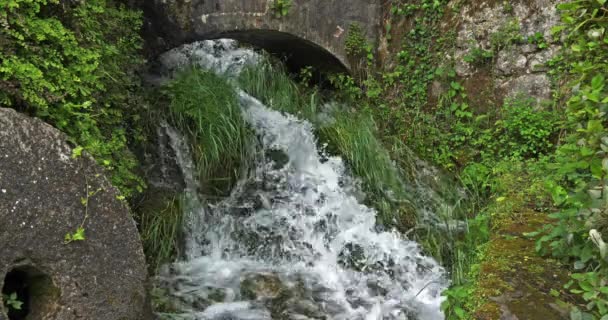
(73, 65)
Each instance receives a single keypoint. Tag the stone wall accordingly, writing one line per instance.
(518, 33)
(308, 25)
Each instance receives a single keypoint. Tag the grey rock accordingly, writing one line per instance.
(479, 21)
(463, 68)
(538, 61)
(41, 186)
(537, 86)
(528, 48)
(509, 62)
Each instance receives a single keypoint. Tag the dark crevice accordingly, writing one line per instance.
(33, 289)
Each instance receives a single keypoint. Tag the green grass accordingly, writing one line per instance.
(272, 85)
(205, 107)
(160, 224)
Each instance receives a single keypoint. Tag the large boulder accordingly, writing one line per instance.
(44, 195)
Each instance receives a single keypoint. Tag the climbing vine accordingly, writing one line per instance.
(73, 64)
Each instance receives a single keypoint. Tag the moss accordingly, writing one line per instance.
(181, 11)
(512, 276)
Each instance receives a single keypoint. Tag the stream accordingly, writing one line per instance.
(293, 240)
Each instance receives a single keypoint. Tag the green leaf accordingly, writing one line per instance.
(77, 152)
(597, 83)
(576, 314)
(79, 235)
(16, 304)
(460, 312)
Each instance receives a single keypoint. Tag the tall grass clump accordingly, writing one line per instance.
(271, 84)
(205, 107)
(160, 226)
(352, 135)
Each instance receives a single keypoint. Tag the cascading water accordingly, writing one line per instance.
(292, 241)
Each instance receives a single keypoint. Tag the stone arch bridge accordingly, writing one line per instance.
(313, 32)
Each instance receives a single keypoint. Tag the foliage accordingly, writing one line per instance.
(356, 44)
(521, 132)
(507, 35)
(592, 286)
(516, 193)
(205, 107)
(400, 99)
(73, 64)
(12, 301)
(77, 235)
(539, 40)
(281, 7)
(478, 56)
(578, 173)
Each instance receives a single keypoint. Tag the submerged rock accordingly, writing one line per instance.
(44, 195)
(261, 286)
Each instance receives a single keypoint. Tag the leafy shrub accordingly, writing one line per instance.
(577, 179)
(522, 131)
(73, 65)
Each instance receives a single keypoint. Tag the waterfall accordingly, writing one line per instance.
(292, 241)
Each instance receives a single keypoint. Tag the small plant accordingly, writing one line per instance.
(281, 7)
(346, 86)
(539, 40)
(12, 301)
(507, 35)
(507, 7)
(479, 56)
(306, 75)
(356, 43)
(78, 235)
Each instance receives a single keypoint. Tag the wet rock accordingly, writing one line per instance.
(278, 157)
(353, 256)
(261, 286)
(41, 200)
(306, 308)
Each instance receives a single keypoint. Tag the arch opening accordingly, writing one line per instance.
(296, 52)
(28, 293)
